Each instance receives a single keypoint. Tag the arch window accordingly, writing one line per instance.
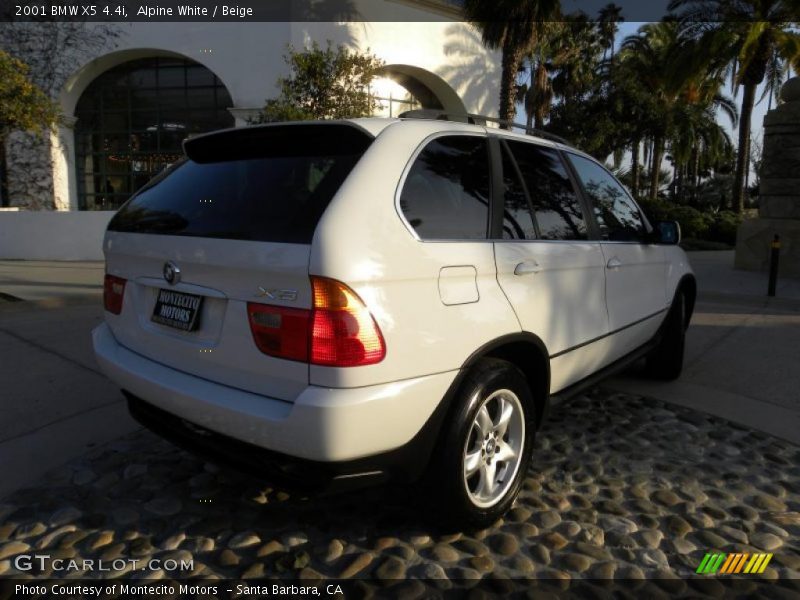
(132, 120)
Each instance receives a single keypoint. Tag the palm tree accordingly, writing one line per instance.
(682, 89)
(513, 27)
(775, 76)
(609, 16)
(749, 34)
(697, 136)
(553, 50)
(581, 46)
(649, 56)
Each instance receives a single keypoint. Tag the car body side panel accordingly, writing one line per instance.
(363, 241)
(677, 266)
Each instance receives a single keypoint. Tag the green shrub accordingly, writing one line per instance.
(656, 210)
(696, 225)
(723, 227)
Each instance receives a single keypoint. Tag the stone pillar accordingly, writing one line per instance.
(65, 188)
(779, 193)
(30, 171)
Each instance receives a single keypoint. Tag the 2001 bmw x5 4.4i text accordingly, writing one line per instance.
(348, 301)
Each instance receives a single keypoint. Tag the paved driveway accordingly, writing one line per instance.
(55, 404)
(622, 487)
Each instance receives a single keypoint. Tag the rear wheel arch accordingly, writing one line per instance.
(527, 353)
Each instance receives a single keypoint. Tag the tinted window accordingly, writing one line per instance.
(556, 206)
(446, 193)
(617, 215)
(267, 184)
(517, 219)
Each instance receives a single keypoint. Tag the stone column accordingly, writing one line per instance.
(30, 171)
(65, 188)
(779, 193)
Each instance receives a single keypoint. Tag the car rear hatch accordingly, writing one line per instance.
(229, 225)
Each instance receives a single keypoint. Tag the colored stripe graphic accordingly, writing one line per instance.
(703, 563)
(714, 562)
(757, 558)
(728, 564)
(720, 560)
(765, 563)
(740, 564)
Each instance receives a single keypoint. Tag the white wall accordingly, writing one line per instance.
(248, 59)
(46, 235)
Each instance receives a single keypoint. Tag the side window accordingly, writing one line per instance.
(617, 216)
(556, 206)
(446, 193)
(517, 219)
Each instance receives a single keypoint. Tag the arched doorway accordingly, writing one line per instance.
(406, 87)
(132, 119)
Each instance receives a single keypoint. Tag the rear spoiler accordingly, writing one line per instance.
(302, 138)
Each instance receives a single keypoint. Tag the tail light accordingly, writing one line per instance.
(278, 331)
(338, 331)
(343, 332)
(113, 293)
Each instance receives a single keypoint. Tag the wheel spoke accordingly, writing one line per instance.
(492, 452)
(504, 416)
(472, 462)
(505, 453)
(487, 483)
(484, 421)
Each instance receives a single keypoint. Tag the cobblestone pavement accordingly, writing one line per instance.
(621, 487)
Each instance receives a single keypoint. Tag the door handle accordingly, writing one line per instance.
(614, 263)
(527, 268)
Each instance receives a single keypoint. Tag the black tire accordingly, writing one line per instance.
(446, 479)
(665, 362)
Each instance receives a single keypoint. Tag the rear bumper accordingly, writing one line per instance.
(392, 421)
(279, 468)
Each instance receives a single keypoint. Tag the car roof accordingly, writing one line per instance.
(376, 125)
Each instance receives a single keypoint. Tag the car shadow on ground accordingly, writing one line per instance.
(621, 487)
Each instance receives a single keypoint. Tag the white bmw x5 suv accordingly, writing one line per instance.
(334, 303)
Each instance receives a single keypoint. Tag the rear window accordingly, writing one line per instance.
(267, 184)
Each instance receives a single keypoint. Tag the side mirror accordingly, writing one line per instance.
(667, 233)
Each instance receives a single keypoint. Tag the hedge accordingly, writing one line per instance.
(710, 226)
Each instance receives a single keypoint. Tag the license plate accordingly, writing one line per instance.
(178, 310)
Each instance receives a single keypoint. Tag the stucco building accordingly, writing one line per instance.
(129, 104)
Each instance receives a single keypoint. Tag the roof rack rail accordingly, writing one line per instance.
(473, 119)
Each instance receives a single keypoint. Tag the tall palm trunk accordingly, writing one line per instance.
(745, 118)
(658, 153)
(635, 168)
(512, 56)
(695, 176)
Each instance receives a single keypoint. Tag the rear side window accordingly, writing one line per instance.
(267, 184)
(617, 215)
(446, 193)
(517, 218)
(556, 206)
